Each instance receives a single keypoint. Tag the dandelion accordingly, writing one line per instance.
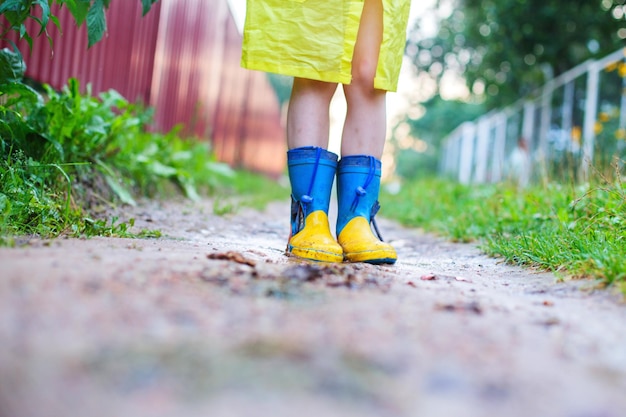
(598, 128)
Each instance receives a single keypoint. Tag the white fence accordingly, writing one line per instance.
(573, 122)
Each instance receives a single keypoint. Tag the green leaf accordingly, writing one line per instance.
(45, 14)
(55, 21)
(56, 145)
(220, 168)
(120, 191)
(79, 9)
(96, 23)
(5, 205)
(112, 98)
(73, 87)
(5, 131)
(162, 170)
(10, 5)
(29, 40)
(147, 4)
(12, 67)
(23, 91)
(111, 179)
(182, 156)
(190, 190)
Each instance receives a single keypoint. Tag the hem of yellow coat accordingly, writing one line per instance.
(385, 84)
(326, 76)
(312, 74)
(386, 78)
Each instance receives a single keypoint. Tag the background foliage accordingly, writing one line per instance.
(66, 156)
(89, 12)
(508, 48)
(500, 51)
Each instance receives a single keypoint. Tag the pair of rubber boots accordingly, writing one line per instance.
(311, 172)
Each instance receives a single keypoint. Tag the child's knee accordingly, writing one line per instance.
(363, 74)
(314, 87)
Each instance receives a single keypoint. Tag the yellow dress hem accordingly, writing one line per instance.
(315, 39)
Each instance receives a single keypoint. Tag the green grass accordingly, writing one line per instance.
(67, 157)
(579, 231)
(253, 190)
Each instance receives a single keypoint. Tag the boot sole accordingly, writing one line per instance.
(371, 257)
(315, 255)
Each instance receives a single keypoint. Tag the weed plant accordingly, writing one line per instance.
(66, 159)
(65, 156)
(576, 230)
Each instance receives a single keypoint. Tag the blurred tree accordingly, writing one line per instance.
(441, 117)
(505, 49)
(417, 141)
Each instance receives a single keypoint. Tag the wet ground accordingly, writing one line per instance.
(214, 320)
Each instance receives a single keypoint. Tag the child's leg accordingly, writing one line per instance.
(359, 170)
(311, 171)
(308, 119)
(365, 126)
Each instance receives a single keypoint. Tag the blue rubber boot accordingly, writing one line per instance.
(358, 185)
(311, 172)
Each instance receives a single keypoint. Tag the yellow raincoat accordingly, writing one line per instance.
(315, 39)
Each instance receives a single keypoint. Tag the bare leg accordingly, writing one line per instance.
(365, 127)
(311, 171)
(308, 119)
(358, 172)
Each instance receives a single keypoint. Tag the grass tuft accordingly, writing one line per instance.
(576, 230)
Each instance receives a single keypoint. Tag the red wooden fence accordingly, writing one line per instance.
(182, 58)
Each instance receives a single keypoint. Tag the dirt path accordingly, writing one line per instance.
(215, 321)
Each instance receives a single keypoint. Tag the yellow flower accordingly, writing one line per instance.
(622, 70)
(620, 134)
(576, 134)
(611, 67)
(598, 128)
(604, 117)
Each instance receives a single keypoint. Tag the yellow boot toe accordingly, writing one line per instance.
(314, 241)
(360, 245)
